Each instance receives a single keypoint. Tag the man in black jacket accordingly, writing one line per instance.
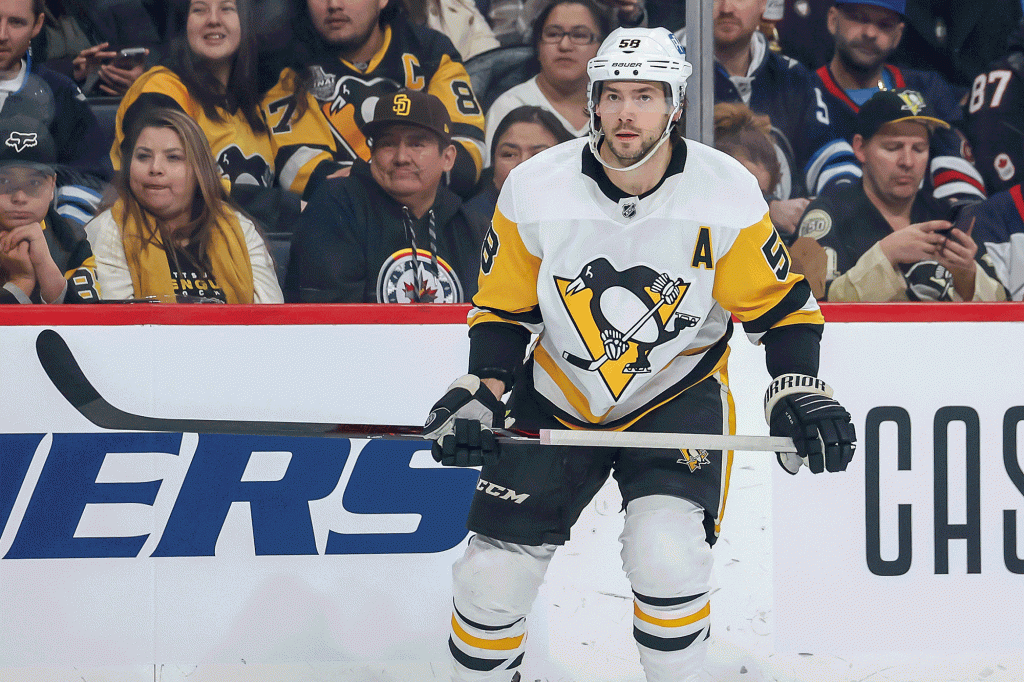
(391, 232)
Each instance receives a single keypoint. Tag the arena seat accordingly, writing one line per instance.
(493, 72)
(105, 110)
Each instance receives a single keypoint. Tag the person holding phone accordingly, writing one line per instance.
(210, 74)
(886, 239)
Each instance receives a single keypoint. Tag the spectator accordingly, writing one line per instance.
(957, 39)
(173, 232)
(523, 132)
(866, 33)
(43, 258)
(803, 32)
(512, 19)
(210, 74)
(747, 137)
(993, 115)
(886, 239)
(80, 39)
(345, 56)
(813, 156)
(32, 90)
(566, 36)
(997, 226)
(391, 232)
(460, 20)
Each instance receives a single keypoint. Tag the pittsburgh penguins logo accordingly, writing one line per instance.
(396, 281)
(348, 107)
(621, 317)
(913, 102)
(19, 142)
(928, 281)
(694, 459)
(244, 170)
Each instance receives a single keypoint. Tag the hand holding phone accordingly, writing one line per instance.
(130, 57)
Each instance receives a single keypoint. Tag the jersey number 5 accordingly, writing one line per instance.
(777, 256)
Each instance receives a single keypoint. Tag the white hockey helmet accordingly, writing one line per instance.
(637, 54)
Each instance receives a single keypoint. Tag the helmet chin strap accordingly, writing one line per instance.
(595, 143)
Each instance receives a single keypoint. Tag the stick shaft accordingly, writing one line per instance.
(671, 441)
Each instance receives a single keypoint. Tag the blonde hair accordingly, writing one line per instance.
(742, 134)
(210, 201)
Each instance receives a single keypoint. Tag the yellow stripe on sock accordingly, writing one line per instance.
(506, 644)
(675, 622)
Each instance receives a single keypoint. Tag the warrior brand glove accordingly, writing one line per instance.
(460, 424)
(801, 407)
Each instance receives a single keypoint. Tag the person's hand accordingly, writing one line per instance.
(115, 80)
(44, 270)
(802, 408)
(917, 242)
(90, 59)
(786, 214)
(461, 423)
(17, 262)
(956, 254)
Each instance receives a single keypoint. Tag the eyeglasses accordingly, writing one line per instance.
(33, 186)
(577, 36)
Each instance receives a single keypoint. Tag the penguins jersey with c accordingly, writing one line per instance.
(412, 57)
(631, 296)
(243, 155)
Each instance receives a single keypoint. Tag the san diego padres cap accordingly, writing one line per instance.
(892, 106)
(411, 107)
(25, 141)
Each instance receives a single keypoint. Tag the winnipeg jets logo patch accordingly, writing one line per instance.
(396, 281)
(621, 316)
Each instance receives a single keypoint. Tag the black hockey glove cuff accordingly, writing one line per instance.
(801, 407)
(461, 423)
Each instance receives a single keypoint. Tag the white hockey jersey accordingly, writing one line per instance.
(632, 296)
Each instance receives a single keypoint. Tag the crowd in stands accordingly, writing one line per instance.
(353, 150)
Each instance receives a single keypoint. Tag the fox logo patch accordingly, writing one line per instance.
(19, 142)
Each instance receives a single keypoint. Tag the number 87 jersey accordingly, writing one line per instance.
(632, 296)
(994, 122)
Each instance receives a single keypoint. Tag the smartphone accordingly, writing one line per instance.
(130, 57)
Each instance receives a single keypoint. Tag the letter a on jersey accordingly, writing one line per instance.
(621, 317)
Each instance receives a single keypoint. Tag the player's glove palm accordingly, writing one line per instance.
(802, 407)
(461, 423)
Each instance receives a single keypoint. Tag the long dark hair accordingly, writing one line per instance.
(242, 92)
(530, 114)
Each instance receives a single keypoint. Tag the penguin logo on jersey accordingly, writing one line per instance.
(396, 281)
(244, 170)
(694, 459)
(621, 317)
(349, 107)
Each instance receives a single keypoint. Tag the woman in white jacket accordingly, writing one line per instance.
(460, 20)
(174, 234)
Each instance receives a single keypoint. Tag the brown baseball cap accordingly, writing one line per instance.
(410, 107)
(893, 106)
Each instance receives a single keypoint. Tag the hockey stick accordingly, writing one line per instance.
(66, 375)
(591, 365)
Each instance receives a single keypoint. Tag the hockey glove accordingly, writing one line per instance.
(461, 423)
(801, 407)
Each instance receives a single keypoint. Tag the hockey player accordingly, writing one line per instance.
(866, 33)
(629, 275)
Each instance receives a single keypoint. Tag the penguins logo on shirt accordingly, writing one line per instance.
(621, 316)
(244, 170)
(396, 281)
(694, 459)
(349, 107)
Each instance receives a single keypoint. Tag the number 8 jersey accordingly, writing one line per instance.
(632, 296)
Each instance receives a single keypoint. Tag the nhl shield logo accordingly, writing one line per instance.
(629, 209)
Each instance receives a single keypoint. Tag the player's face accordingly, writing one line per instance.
(18, 26)
(213, 28)
(159, 175)
(407, 162)
(894, 160)
(565, 61)
(517, 144)
(865, 35)
(735, 21)
(347, 24)
(25, 196)
(633, 117)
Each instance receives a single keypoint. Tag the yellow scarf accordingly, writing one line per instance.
(151, 274)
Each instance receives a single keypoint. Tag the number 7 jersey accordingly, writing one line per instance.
(632, 296)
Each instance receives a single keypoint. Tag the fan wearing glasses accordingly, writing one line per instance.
(565, 37)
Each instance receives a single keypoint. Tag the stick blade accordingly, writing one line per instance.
(65, 374)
